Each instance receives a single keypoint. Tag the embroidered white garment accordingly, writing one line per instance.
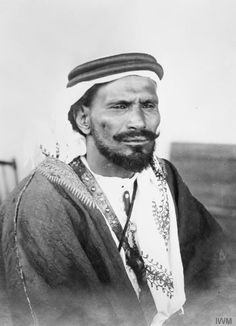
(157, 239)
(154, 221)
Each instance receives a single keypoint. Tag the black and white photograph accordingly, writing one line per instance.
(117, 163)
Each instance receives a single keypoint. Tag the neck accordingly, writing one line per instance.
(101, 165)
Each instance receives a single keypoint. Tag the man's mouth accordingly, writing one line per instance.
(139, 140)
(136, 137)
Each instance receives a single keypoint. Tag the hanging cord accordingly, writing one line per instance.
(133, 257)
(128, 209)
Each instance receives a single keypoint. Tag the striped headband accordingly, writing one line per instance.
(111, 68)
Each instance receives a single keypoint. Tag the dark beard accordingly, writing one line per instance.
(135, 162)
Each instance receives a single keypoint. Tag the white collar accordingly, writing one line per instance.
(114, 182)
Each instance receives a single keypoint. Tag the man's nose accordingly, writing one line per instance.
(136, 118)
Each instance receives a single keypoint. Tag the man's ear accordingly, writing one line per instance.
(82, 119)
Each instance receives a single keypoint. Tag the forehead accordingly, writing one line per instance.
(127, 88)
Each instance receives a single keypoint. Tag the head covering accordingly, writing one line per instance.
(111, 68)
(59, 140)
(116, 64)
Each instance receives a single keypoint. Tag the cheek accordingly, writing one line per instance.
(154, 121)
(158, 120)
(104, 128)
(98, 124)
(106, 125)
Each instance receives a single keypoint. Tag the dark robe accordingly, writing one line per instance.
(60, 265)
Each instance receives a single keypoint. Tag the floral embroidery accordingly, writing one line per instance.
(162, 220)
(161, 212)
(158, 276)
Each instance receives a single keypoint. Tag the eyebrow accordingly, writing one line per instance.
(142, 101)
(152, 100)
(119, 102)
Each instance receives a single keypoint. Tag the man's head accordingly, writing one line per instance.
(119, 119)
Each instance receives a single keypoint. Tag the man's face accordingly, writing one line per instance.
(124, 117)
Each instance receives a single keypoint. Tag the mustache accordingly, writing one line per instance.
(149, 135)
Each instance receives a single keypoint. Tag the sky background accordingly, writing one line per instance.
(194, 41)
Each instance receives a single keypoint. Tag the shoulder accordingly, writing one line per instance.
(185, 200)
(173, 178)
(29, 207)
(48, 181)
(31, 190)
(41, 211)
(169, 168)
(42, 194)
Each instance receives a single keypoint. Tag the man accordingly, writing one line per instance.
(114, 237)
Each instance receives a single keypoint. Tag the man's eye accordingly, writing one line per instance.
(120, 106)
(149, 105)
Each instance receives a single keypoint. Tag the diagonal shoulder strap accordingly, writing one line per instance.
(98, 196)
